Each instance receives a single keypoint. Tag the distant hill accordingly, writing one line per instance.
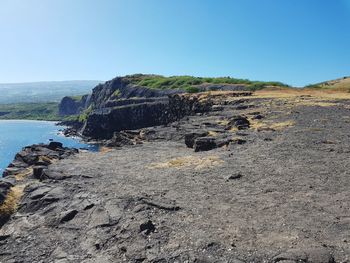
(50, 91)
(341, 84)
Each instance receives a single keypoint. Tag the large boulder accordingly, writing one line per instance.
(204, 144)
(192, 136)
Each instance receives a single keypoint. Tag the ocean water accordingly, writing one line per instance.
(15, 134)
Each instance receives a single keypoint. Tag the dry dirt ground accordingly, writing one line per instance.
(283, 196)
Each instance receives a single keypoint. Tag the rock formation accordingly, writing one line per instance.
(72, 105)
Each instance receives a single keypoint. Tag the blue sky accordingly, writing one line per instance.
(294, 41)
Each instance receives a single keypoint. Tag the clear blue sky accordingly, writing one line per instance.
(294, 41)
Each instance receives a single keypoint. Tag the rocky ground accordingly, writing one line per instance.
(266, 180)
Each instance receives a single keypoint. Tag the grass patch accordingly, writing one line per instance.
(104, 149)
(76, 98)
(316, 103)
(9, 206)
(274, 126)
(24, 174)
(85, 114)
(189, 83)
(116, 93)
(212, 133)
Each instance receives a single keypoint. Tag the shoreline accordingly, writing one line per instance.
(47, 131)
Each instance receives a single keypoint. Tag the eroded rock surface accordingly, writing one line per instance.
(282, 196)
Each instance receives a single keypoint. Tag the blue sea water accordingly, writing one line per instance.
(15, 134)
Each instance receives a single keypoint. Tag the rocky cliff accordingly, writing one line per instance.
(73, 105)
(122, 104)
(141, 113)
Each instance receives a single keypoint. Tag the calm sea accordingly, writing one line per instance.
(15, 134)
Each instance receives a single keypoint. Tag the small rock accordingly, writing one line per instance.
(147, 227)
(54, 145)
(258, 117)
(238, 141)
(234, 176)
(68, 215)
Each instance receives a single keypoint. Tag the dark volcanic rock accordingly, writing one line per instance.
(55, 145)
(147, 227)
(204, 144)
(103, 122)
(5, 186)
(72, 106)
(240, 122)
(38, 171)
(208, 143)
(119, 139)
(121, 87)
(192, 136)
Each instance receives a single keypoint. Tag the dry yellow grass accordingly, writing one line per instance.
(342, 84)
(104, 149)
(269, 125)
(9, 206)
(307, 93)
(281, 125)
(188, 161)
(223, 122)
(316, 103)
(46, 159)
(212, 133)
(24, 174)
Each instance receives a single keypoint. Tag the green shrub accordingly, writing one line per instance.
(192, 89)
(116, 93)
(85, 114)
(183, 82)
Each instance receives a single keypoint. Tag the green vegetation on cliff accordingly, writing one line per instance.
(189, 82)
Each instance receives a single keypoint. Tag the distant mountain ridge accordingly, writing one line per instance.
(46, 91)
(340, 84)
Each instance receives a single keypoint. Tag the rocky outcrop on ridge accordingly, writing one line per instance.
(73, 105)
(119, 105)
(141, 113)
